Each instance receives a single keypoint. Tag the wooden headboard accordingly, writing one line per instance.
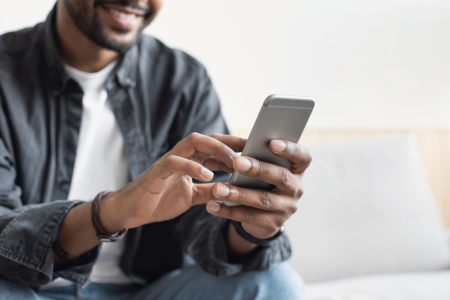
(433, 146)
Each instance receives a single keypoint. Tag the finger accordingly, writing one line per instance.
(213, 163)
(264, 200)
(234, 142)
(271, 221)
(201, 147)
(281, 177)
(172, 164)
(203, 193)
(298, 155)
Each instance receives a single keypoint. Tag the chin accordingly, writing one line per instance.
(124, 41)
(119, 42)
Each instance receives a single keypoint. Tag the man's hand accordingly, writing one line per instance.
(264, 212)
(165, 190)
(162, 192)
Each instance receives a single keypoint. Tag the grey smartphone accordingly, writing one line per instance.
(281, 117)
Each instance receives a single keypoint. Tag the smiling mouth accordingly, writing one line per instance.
(121, 14)
(124, 10)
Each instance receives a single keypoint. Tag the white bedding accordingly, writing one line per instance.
(403, 286)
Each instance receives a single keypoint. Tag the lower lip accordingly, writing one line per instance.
(123, 23)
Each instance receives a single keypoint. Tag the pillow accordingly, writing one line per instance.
(367, 209)
(399, 286)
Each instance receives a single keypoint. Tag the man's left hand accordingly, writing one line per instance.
(264, 212)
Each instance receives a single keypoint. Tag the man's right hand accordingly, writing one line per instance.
(162, 192)
(165, 190)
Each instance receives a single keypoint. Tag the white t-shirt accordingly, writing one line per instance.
(100, 164)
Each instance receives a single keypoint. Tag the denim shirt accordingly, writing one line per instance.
(159, 96)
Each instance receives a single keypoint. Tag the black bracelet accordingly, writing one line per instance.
(260, 242)
(102, 235)
(61, 254)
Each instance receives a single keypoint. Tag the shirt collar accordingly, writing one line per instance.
(55, 69)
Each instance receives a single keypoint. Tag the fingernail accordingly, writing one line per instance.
(222, 190)
(233, 154)
(278, 146)
(207, 173)
(213, 206)
(243, 164)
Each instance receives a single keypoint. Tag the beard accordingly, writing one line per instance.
(94, 29)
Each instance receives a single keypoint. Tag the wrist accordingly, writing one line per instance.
(108, 214)
(237, 244)
(263, 242)
(256, 231)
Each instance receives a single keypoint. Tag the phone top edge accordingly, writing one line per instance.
(289, 101)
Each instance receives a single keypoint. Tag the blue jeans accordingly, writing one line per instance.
(279, 282)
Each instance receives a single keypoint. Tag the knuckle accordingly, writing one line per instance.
(266, 200)
(303, 154)
(262, 169)
(291, 148)
(299, 193)
(250, 216)
(292, 208)
(238, 195)
(193, 136)
(285, 176)
(307, 155)
(278, 223)
(296, 149)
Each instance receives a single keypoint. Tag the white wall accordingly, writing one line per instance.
(371, 63)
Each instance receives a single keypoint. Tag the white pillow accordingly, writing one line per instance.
(367, 209)
(399, 286)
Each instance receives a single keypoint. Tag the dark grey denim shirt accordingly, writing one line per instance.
(159, 96)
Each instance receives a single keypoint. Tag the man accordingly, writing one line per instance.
(89, 104)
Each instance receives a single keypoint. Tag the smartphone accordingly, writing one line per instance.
(281, 118)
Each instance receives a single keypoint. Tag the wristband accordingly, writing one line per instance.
(102, 235)
(61, 254)
(260, 242)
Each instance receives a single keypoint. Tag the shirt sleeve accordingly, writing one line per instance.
(27, 232)
(204, 236)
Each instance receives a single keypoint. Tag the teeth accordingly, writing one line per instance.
(121, 14)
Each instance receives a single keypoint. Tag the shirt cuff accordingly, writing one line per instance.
(26, 245)
(210, 251)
